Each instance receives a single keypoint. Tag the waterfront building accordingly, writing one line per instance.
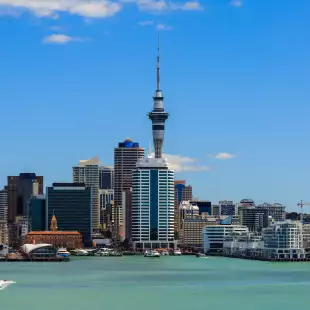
(106, 177)
(67, 239)
(306, 238)
(275, 210)
(284, 240)
(71, 203)
(39, 251)
(88, 172)
(20, 189)
(227, 207)
(153, 204)
(244, 244)
(126, 156)
(37, 213)
(191, 225)
(214, 236)
(182, 192)
(254, 218)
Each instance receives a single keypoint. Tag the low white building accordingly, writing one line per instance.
(214, 236)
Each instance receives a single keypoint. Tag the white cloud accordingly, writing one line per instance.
(51, 8)
(180, 163)
(189, 6)
(236, 3)
(224, 156)
(163, 27)
(61, 39)
(146, 23)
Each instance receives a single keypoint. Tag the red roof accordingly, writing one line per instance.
(53, 233)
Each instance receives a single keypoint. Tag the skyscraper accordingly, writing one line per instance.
(153, 187)
(20, 189)
(71, 203)
(3, 217)
(106, 177)
(181, 193)
(88, 172)
(158, 116)
(126, 156)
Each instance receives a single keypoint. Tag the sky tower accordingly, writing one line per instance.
(158, 116)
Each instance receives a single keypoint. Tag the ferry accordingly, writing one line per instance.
(152, 253)
(63, 252)
(4, 284)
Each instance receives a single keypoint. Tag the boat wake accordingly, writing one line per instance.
(4, 284)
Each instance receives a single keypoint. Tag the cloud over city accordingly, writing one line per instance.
(224, 156)
(91, 8)
(180, 163)
(61, 39)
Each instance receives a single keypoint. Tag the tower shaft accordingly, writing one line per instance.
(158, 116)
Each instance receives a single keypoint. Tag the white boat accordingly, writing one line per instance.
(152, 253)
(177, 252)
(4, 284)
(165, 253)
(63, 252)
(81, 252)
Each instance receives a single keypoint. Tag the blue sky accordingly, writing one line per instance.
(78, 76)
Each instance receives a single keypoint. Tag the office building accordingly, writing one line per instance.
(106, 177)
(3, 205)
(227, 207)
(216, 210)
(203, 205)
(191, 225)
(275, 210)
(106, 198)
(214, 236)
(37, 213)
(20, 189)
(125, 233)
(153, 204)
(254, 218)
(88, 172)
(182, 192)
(71, 203)
(126, 156)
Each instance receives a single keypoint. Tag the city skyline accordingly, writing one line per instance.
(239, 94)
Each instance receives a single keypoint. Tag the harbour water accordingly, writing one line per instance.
(134, 283)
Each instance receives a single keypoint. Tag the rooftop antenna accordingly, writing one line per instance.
(158, 62)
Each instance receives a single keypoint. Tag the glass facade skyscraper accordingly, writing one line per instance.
(71, 204)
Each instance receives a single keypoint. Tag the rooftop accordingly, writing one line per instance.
(53, 233)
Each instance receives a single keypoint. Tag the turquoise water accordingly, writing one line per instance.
(147, 283)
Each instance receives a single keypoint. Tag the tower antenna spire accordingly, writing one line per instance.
(158, 62)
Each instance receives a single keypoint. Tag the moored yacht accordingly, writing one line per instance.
(165, 253)
(63, 252)
(152, 253)
(81, 252)
(4, 284)
(177, 252)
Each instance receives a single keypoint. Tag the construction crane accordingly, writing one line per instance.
(301, 204)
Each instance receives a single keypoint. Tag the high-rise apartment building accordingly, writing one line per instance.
(182, 192)
(106, 177)
(20, 189)
(126, 156)
(255, 219)
(88, 172)
(71, 203)
(275, 210)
